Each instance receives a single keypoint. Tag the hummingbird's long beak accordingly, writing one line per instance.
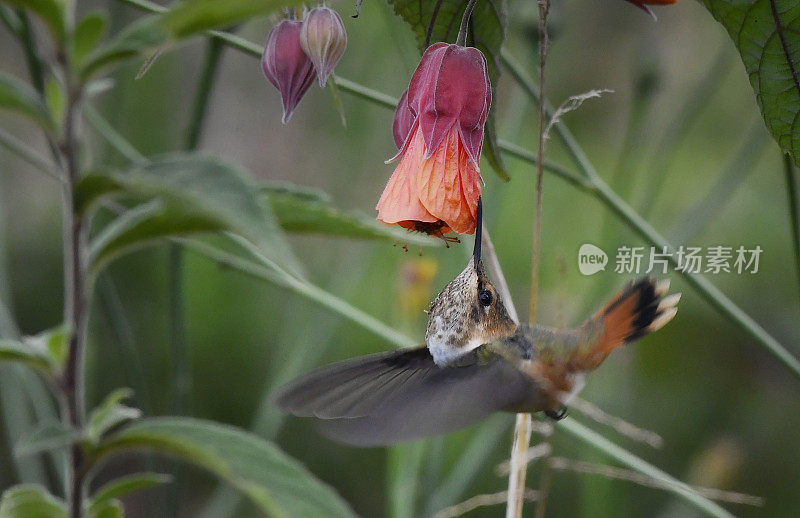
(476, 252)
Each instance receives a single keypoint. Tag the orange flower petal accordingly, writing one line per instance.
(400, 200)
(449, 185)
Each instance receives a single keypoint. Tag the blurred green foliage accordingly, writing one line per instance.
(727, 411)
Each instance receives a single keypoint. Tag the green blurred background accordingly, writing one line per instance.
(680, 138)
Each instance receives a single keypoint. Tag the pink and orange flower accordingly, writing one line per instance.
(438, 128)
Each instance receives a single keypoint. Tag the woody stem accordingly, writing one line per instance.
(462, 30)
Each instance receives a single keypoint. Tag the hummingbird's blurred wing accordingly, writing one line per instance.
(403, 395)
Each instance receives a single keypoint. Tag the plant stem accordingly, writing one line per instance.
(434, 15)
(522, 427)
(75, 298)
(794, 209)
(462, 30)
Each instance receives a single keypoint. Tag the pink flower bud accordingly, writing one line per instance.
(403, 120)
(323, 39)
(286, 65)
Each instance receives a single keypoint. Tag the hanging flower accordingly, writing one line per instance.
(437, 183)
(286, 65)
(323, 39)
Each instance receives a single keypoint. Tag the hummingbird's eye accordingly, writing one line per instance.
(485, 297)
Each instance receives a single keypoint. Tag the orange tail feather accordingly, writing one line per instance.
(638, 309)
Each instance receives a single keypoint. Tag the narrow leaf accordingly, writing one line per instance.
(199, 194)
(110, 413)
(767, 35)
(87, 35)
(52, 13)
(190, 17)
(108, 509)
(13, 351)
(48, 437)
(139, 38)
(31, 501)
(123, 486)
(297, 212)
(18, 96)
(276, 483)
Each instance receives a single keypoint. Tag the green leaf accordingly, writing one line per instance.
(52, 12)
(123, 486)
(200, 194)
(297, 211)
(18, 96)
(87, 35)
(190, 17)
(767, 35)
(489, 25)
(276, 483)
(108, 509)
(141, 37)
(13, 351)
(31, 501)
(48, 437)
(110, 413)
(54, 98)
(132, 234)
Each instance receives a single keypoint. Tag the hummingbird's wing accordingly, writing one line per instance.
(403, 395)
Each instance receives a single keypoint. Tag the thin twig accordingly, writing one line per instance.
(481, 501)
(620, 425)
(588, 468)
(434, 15)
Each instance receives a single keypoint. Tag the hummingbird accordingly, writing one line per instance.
(476, 361)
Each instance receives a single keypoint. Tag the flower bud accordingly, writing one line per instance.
(323, 39)
(286, 65)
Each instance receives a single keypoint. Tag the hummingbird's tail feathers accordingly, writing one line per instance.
(640, 308)
(402, 395)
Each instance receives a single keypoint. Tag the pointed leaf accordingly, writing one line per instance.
(18, 96)
(123, 486)
(201, 194)
(87, 35)
(52, 13)
(767, 35)
(13, 351)
(48, 437)
(108, 509)
(137, 39)
(31, 501)
(193, 16)
(276, 483)
(298, 212)
(110, 413)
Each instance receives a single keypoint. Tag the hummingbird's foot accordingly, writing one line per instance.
(557, 415)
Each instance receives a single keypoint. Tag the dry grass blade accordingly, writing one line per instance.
(588, 468)
(481, 501)
(620, 425)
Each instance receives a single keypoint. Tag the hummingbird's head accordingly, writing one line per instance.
(465, 315)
